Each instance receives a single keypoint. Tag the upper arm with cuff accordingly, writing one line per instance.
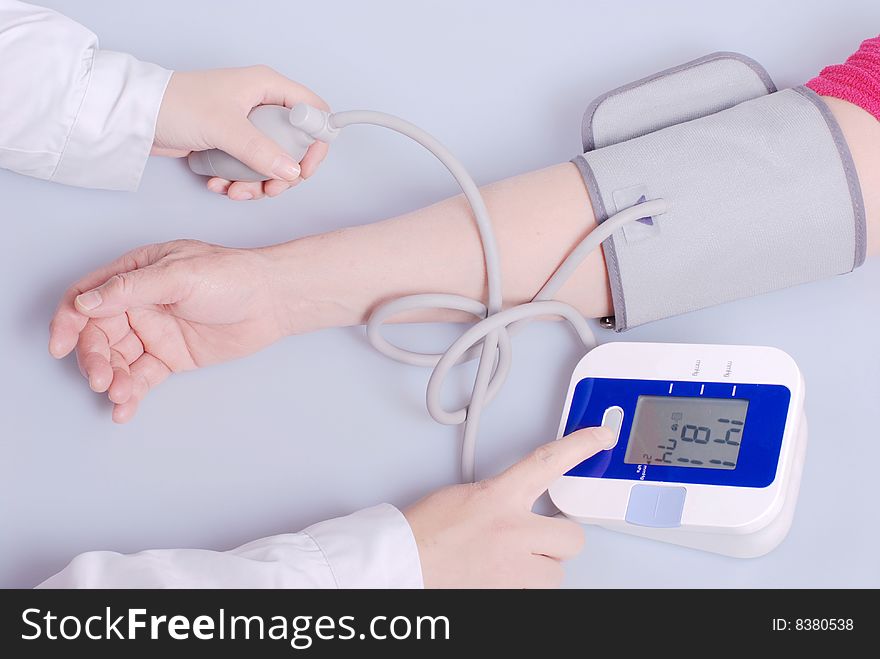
(69, 112)
(760, 188)
(372, 548)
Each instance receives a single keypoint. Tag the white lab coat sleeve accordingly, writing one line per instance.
(372, 548)
(70, 112)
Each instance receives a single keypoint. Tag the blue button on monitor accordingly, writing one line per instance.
(655, 505)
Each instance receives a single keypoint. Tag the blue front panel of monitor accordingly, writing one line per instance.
(761, 439)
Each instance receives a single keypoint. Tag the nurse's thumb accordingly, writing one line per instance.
(137, 288)
(262, 154)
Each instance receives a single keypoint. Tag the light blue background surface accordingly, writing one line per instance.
(320, 425)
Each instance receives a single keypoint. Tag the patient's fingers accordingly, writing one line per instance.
(65, 328)
(122, 354)
(114, 327)
(130, 347)
(146, 372)
(93, 349)
(93, 356)
(124, 412)
(121, 388)
(68, 322)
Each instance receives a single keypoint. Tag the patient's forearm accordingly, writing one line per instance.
(337, 279)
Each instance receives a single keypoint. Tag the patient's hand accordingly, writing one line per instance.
(163, 309)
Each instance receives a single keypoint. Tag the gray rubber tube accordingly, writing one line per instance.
(489, 338)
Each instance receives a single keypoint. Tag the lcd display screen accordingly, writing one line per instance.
(687, 431)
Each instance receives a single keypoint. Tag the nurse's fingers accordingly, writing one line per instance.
(241, 189)
(218, 185)
(531, 476)
(146, 372)
(169, 153)
(313, 158)
(279, 90)
(245, 190)
(542, 572)
(556, 537)
(274, 187)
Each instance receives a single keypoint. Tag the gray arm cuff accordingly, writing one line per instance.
(760, 186)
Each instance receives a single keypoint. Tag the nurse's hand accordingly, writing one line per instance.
(485, 535)
(163, 309)
(208, 109)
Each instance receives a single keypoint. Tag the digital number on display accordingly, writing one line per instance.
(687, 432)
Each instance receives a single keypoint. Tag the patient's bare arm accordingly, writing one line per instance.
(538, 217)
(862, 132)
(182, 305)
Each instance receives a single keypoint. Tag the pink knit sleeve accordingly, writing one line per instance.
(856, 81)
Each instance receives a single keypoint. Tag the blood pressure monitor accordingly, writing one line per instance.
(710, 444)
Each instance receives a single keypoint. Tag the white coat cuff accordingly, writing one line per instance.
(113, 133)
(372, 548)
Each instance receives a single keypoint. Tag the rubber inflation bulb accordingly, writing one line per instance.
(274, 122)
